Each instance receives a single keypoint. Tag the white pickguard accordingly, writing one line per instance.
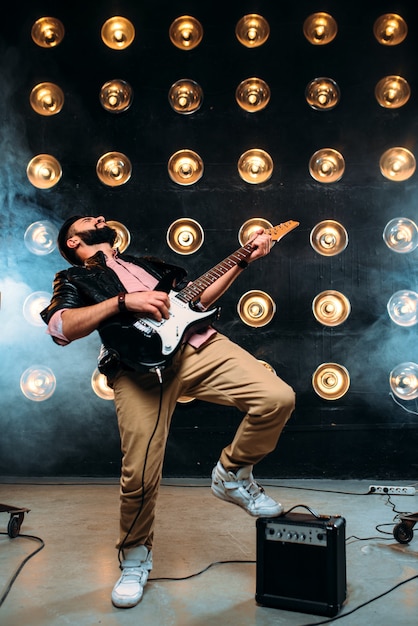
(172, 330)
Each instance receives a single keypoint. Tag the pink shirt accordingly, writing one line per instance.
(133, 278)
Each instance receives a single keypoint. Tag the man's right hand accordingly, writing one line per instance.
(154, 304)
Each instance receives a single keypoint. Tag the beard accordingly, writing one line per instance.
(98, 235)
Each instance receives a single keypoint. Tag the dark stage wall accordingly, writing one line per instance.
(368, 432)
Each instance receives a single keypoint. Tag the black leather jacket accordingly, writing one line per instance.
(94, 282)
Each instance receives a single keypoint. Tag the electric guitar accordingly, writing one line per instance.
(148, 345)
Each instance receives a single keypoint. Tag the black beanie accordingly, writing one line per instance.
(68, 253)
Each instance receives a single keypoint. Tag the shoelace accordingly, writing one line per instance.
(254, 489)
(131, 575)
(249, 484)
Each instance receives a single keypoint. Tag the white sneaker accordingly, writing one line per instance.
(129, 588)
(241, 489)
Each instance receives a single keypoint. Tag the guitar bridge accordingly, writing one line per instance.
(144, 328)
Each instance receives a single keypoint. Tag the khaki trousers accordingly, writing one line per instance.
(220, 372)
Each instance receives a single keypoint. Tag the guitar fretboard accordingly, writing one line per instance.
(193, 291)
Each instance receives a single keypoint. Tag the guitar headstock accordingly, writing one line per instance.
(279, 231)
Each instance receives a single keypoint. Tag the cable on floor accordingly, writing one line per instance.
(22, 564)
(205, 569)
(396, 517)
(360, 606)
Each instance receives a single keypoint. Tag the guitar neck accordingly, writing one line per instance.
(193, 291)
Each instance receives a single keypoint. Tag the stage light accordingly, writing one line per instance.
(331, 381)
(123, 238)
(114, 169)
(256, 308)
(116, 96)
(331, 308)
(252, 30)
(320, 28)
(322, 94)
(401, 235)
(185, 236)
(100, 386)
(269, 367)
(33, 305)
(403, 380)
(255, 166)
(252, 95)
(402, 307)
(186, 32)
(38, 383)
(118, 33)
(390, 29)
(392, 92)
(185, 399)
(185, 96)
(327, 165)
(397, 164)
(41, 238)
(250, 227)
(47, 32)
(46, 99)
(185, 167)
(329, 238)
(44, 171)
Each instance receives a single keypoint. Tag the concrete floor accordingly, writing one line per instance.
(69, 581)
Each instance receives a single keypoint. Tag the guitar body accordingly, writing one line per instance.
(144, 344)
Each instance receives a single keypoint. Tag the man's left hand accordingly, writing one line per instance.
(261, 244)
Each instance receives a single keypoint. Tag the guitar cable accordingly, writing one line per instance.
(157, 370)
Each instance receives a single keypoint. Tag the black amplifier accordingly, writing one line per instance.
(301, 563)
